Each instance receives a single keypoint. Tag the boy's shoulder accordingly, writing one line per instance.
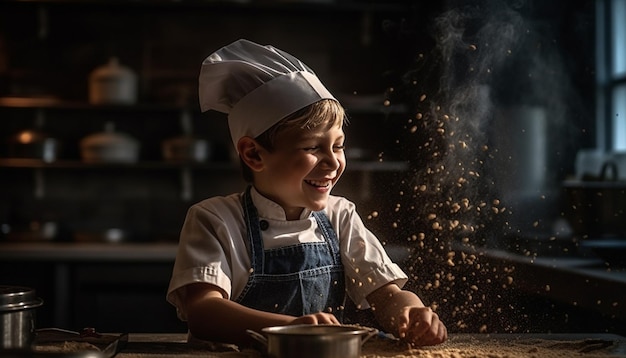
(338, 205)
(220, 205)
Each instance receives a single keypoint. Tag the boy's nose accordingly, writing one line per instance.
(332, 159)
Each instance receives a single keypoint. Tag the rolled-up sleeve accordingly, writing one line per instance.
(205, 253)
(366, 263)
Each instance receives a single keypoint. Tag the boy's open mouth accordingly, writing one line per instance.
(319, 183)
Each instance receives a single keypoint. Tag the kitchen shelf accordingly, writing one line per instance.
(365, 166)
(56, 103)
(77, 164)
(52, 103)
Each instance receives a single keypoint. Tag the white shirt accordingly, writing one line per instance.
(213, 246)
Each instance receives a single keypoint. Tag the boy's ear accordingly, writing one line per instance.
(248, 150)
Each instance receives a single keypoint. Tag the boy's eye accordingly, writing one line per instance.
(314, 148)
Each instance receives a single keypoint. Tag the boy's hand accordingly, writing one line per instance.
(316, 318)
(420, 326)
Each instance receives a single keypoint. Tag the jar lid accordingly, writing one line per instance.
(109, 137)
(13, 298)
(112, 69)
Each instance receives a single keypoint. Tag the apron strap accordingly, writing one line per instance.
(251, 217)
(329, 235)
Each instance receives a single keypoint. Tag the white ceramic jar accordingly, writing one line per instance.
(109, 147)
(112, 83)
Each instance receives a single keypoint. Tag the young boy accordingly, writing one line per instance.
(285, 251)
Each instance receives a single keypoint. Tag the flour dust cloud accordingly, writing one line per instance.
(482, 146)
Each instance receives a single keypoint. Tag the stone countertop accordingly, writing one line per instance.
(88, 251)
(585, 266)
(579, 281)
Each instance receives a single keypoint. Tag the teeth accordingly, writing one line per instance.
(318, 183)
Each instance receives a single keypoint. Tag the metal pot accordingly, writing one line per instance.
(313, 341)
(17, 317)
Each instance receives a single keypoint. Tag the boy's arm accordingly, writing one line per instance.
(213, 317)
(402, 313)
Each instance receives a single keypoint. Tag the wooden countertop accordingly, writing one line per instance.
(459, 346)
(175, 345)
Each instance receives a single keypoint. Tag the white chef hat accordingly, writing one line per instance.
(257, 86)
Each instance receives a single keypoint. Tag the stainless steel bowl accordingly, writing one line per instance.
(18, 317)
(313, 341)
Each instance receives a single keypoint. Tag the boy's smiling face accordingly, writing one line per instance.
(302, 169)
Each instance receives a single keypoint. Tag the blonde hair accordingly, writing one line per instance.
(325, 112)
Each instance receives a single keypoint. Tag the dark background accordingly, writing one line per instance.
(528, 54)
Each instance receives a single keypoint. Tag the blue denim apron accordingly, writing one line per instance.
(297, 279)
